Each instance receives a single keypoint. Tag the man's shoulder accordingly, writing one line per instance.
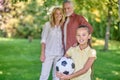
(78, 15)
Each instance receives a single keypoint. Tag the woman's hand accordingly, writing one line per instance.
(42, 57)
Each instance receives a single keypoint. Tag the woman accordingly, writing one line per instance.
(52, 48)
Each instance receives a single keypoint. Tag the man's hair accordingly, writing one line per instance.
(68, 1)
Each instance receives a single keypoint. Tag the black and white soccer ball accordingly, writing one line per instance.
(65, 65)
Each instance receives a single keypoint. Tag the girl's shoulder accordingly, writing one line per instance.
(92, 52)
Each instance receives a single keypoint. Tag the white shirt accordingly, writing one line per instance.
(65, 30)
(52, 37)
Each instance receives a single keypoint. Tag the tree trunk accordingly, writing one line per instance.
(119, 9)
(119, 12)
(107, 34)
(30, 38)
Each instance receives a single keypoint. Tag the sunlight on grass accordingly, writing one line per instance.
(98, 42)
(114, 45)
(115, 72)
(1, 72)
(98, 78)
(118, 52)
(8, 73)
(5, 39)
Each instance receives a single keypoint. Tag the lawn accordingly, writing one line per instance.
(19, 60)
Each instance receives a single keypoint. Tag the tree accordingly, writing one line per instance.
(22, 18)
(107, 35)
(119, 14)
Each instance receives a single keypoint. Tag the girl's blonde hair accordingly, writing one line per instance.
(52, 18)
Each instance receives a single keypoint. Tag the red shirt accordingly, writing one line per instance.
(74, 22)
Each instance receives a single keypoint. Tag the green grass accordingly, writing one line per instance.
(19, 60)
(107, 65)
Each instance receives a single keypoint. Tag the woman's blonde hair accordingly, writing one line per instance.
(52, 18)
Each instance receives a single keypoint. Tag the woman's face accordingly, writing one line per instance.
(58, 15)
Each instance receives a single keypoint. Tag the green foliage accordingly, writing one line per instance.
(30, 16)
(15, 1)
(96, 13)
(26, 17)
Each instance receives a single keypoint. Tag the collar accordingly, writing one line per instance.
(73, 14)
(86, 49)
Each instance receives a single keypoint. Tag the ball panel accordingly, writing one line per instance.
(73, 65)
(65, 65)
(66, 72)
(57, 68)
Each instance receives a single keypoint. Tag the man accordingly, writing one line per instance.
(71, 23)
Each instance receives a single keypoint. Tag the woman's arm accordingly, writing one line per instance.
(42, 57)
(43, 41)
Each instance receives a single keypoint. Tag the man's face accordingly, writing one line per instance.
(68, 9)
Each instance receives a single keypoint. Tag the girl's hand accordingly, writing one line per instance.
(42, 57)
(63, 76)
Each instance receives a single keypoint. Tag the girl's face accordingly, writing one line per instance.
(82, 36)
(58, 15)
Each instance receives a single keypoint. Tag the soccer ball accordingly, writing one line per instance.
(65, 65)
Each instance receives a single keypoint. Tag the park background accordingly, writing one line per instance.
(21, 23)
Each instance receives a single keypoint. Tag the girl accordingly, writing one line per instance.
(83, 56)
(52, 48)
